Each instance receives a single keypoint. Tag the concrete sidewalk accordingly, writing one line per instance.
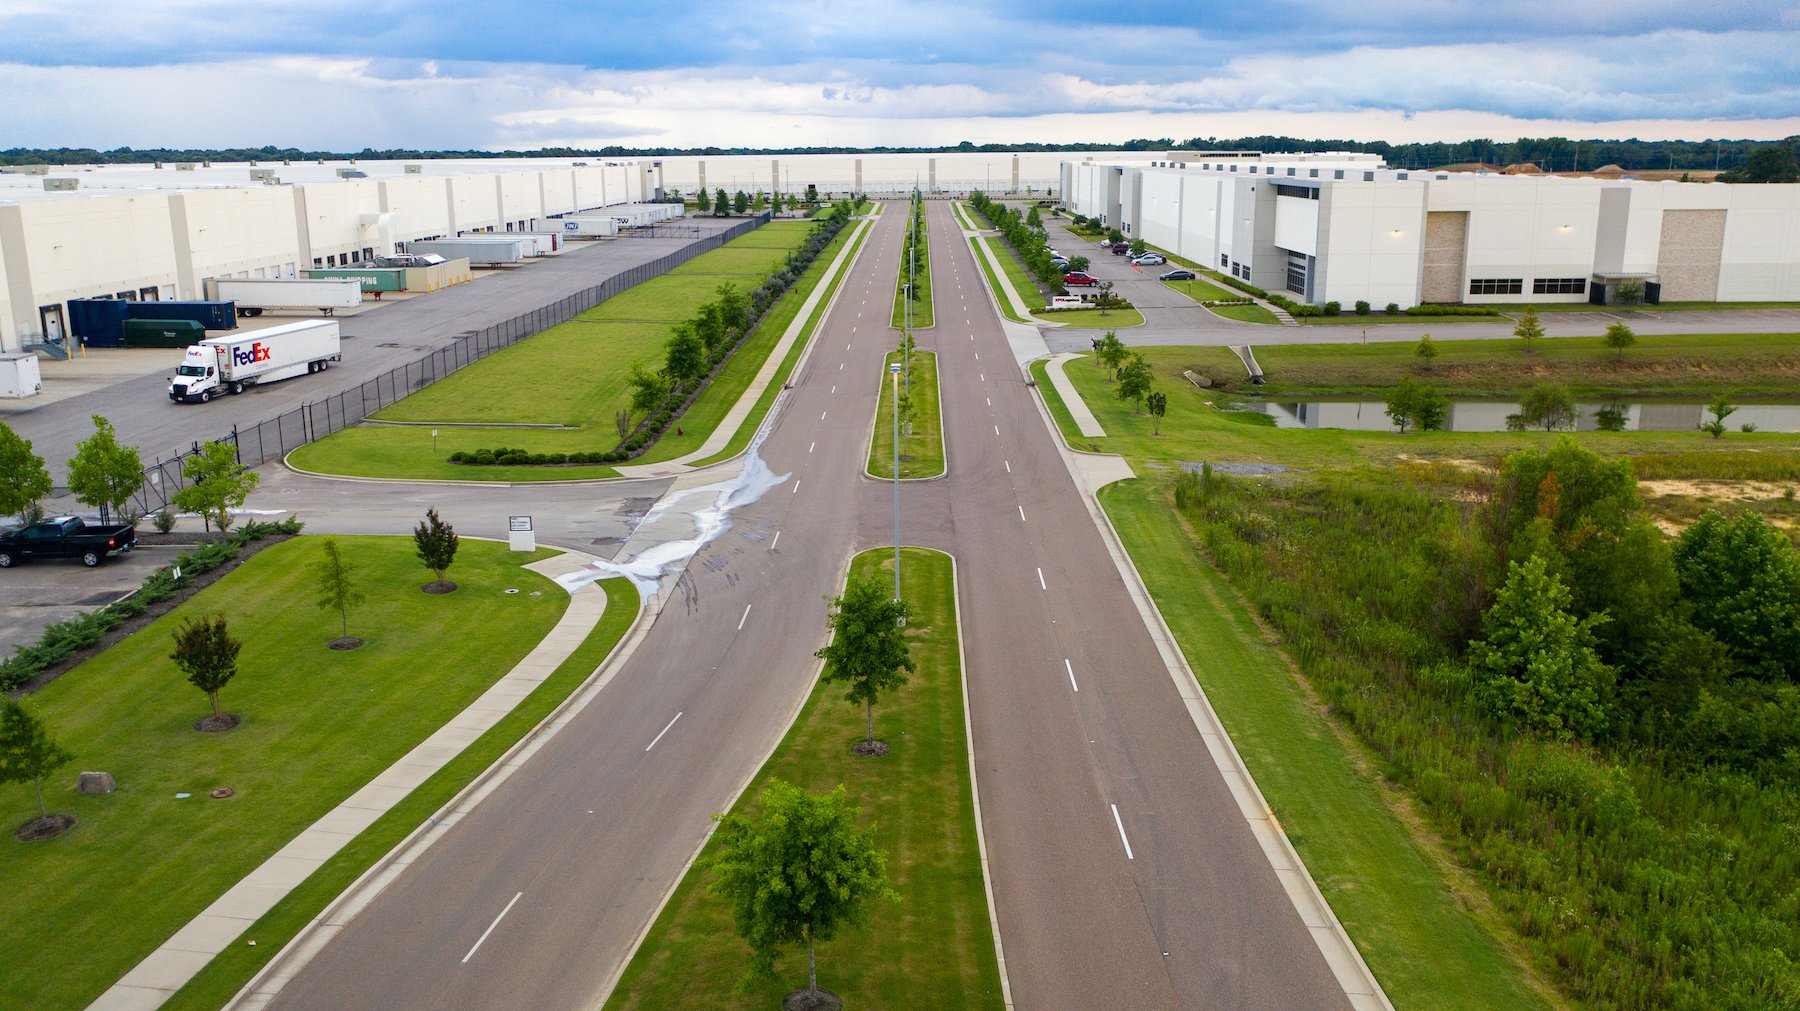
(182, 956)
(728, 426)
(1085, 422)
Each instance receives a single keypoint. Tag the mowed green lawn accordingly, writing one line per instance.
(572, 375)
(922, 451)
(84, 908)
(932, 949)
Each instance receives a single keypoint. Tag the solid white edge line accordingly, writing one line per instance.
(796, 488)
(665, 730)
(1021, 514)
(1041, 583)
(491, 926)
(1008, 465)
(812, 447)
(776, 541)
(1119, 822)
(746, 616)
(1071, 669)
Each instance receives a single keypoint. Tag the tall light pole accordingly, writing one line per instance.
(894, 370)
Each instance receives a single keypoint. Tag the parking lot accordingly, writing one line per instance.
(42, 593)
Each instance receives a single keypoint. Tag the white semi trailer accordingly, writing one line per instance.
(253, 295)
(229, 364)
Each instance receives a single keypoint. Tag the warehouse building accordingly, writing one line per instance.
(157, 233)
(1340, 227)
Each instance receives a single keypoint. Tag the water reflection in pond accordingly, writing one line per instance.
(1490, 415)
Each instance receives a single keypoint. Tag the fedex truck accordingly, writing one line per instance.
(229, 364)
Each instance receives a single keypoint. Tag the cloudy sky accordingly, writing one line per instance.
(342, 74)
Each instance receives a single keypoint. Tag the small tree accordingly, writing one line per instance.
(1427, 350)
(1103, 298)
(649, 392)
(1033, 219)
(1079, 263)
(1720, 410)
(868, 649)
(1419, 405)
(1111, 352)
(812, 193)
(207, 654)
(26, 750)
(1136, 379)
(1536, 664)
(775, 203)
(1159, 406)
(1629, 293)
(1619, 337)
(436, 542)
(1529, 328)
(740, 201)
(685, 358)
(23, 477)
(1548, 405)
(337, 583)
(217, 484)
(721, 203)
(1114, 236)
(103, 473)
(1139, 247)
(796, 873)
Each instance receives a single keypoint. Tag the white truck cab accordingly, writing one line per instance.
(262, 356)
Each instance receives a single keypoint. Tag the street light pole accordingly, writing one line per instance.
(894, 370)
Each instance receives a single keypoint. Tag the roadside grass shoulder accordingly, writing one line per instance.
(1428, 935)
(1021, 279)
(935, 949)
(921, 451)
(232, 968)
(779, 319)
(1059, 411)
(993, 282)
(318, 724)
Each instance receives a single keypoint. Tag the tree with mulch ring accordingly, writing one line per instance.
(868, 650)
(207, 654)
(338, 590)
(794, 875)
(437, 543)
(28, 753)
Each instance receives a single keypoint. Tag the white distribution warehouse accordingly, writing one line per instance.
(1344, 227)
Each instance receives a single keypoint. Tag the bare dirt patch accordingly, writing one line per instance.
(1724, 491)
(444, 586)
(217, 724)
(48, 827)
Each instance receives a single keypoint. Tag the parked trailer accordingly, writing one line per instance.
(477, 251)
(585, 226)
(372, 279)
(253, 295)
(97, 320)
(232, 363)
(534, 243)
(19, 376)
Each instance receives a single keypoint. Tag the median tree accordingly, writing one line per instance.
(23, 477)
(795, 874)
(27, 754)
(868, 651)
(217, 484)
(1530, 328)
(338, 590)
(436, 542)
(207, 654)
(103, 473)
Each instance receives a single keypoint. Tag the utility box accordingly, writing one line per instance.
(19, 376)
(62, 185)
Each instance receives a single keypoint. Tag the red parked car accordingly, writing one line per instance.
(1076, 277)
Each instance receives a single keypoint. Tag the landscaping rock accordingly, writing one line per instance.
(96, 782)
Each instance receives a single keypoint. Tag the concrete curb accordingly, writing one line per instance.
(1092, 472)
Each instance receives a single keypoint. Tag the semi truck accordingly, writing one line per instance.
(229, 364)
(253, 295)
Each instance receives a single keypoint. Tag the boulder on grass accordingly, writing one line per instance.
(96, 782)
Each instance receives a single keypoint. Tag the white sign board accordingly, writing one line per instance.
(519, 534)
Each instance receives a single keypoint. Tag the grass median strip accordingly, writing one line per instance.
(935, 948)
(227, 973)
(922, 306)
(317, 724)
(1392, 896)
(921, 449)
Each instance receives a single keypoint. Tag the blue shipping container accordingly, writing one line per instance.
(95, 321)
(211, 315)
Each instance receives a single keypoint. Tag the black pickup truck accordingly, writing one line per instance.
(65, 537)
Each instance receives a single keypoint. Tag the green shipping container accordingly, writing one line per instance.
(372, 278)
(162, 333)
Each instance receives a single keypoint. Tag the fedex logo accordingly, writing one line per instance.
(257, 352)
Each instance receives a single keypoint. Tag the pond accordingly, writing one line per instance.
(1490, 415)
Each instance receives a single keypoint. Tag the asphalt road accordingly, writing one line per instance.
(579, 846)
(600, 824)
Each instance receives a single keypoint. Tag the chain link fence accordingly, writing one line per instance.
(275, 438)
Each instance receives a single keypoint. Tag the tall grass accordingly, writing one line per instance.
(1634, 883)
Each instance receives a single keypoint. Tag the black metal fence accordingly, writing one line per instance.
(275, 438)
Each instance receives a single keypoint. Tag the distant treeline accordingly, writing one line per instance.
(1552, 154)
